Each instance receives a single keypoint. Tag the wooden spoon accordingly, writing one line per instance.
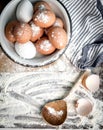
(55, 113)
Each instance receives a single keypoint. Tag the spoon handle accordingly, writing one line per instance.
(78, 83)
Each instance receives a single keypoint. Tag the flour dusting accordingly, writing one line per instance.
(54, 112)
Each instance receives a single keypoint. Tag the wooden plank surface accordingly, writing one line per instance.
(24, 94)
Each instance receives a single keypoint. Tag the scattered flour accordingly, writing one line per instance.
(54, 112)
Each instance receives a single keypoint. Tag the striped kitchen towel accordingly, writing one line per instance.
(86, 46)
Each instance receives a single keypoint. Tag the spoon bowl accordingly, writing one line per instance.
(55, 112)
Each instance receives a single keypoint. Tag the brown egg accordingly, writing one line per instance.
(44, 18)
(44, 46)
(37, 32)
(9, 31)
(58, 23)
(58, 37)
(41, 5)
(22, 32)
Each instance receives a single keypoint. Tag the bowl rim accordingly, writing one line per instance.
(49, 62)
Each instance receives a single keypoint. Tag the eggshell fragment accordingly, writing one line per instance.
(92, 82)
(24, 11)
(58, 37)
(84, 107)
(44, 18)
(26, 51)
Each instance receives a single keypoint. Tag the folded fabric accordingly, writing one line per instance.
(86, 46)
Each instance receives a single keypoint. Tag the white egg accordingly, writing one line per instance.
(24, 12)
(93, 82)
(84, 107)
(26, 50)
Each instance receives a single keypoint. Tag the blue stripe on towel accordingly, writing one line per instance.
(86, 47)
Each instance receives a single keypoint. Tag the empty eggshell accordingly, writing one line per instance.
(84, 107)
(26, 51)
(24, 11)
(92, 82)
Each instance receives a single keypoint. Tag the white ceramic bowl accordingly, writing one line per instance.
(8, 14)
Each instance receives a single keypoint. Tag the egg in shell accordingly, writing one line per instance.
(41, 5)
(22, 32)
(58, 23)
(9, 31)
(26, 51)
(37, 31)
(58, 37)
(44, 46)
(84, 106)
(24, 11)
(44, 18)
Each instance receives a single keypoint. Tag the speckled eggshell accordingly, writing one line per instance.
(84, 107)
(9, 31)
(58, 37)
(37, 31)
(26, 51)
(22, 32)
(92, 82)
(44, 18)
(44, 46)
(41, 5)
(24, 11)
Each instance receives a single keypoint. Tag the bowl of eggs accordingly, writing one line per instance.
(35, 33)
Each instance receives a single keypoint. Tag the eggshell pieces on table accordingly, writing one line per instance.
(92, 82)
(84, 107)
